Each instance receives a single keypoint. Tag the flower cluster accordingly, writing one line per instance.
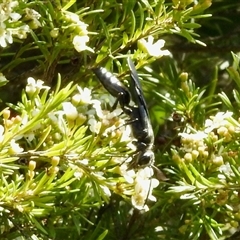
(144, 184)
(193, 145)
(8, 141)
(77, 30)
(79, 109)
(100, 121)
(139, 184)
(209, 161)
(223, 124)
(210, 145)
(12, 23)
(45, 127)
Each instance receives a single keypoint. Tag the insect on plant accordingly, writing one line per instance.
(138, 114)
(133, 104)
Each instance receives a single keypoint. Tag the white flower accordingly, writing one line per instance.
(78, 174)
(97, 106)
(115, 113)
(84, 96)
(109, 118)
(21, 32)
(34, 86)
(72, 17)
(15, 148)
(15, 17)
(193, 137)
(128, 174)
(79, 43)
(153, 49)
(95, 126)
(106, 190)
(141, 194)
(143, 188)
(220, 119)
(84, 161)
(225, 171)
(31, 14)
(70, 111)
(226, 168)
(58, 120)
(5, 35)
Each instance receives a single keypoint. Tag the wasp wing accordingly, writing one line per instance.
(135, 88)
(141, 126)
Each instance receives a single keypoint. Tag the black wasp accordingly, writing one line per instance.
(138, 112)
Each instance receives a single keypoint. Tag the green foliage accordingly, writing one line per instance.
(64, 152)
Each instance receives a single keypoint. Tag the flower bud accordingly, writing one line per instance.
(6, 113)
(195, 154)
(183, 77)
(188, 157)
(17, 119)
(54, 33)
(32, 165)
(55, 161)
